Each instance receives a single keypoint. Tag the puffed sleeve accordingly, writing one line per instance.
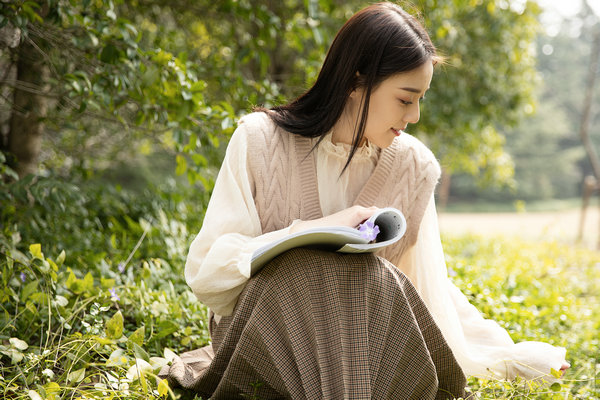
(218, 262)
(482, 347)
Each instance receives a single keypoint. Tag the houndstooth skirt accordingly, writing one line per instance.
(321, 325)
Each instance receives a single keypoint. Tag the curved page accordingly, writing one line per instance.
(328, 238)
(392, 226)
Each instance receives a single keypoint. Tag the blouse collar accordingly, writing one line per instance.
(342, 150)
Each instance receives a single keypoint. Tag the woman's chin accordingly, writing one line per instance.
(387, 142)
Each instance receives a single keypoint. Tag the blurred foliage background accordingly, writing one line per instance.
(114, 118)
(127, 89)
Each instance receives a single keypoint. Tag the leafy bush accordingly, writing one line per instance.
(109, 298)
(83, 215)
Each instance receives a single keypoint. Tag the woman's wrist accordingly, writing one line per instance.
(296, 226)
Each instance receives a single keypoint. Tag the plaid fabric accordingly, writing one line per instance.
(320, 325)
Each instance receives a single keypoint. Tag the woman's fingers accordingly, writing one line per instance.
(351, 217)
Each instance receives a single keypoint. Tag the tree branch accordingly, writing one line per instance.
(27, 87)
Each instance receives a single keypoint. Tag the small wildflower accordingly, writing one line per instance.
(451, 272)
(48, 373)
(22, 276)
(113, 294)
(368, 230)
(121, 267)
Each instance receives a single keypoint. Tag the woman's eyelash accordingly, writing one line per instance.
(407, 103)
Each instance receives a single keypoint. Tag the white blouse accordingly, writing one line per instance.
(218, 263)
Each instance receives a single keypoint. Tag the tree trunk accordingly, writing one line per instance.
(584, 128)
(590, 184)
(29, 110)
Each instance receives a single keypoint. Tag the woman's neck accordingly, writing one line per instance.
(343, 130)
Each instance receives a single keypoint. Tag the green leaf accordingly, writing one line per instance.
(181, 164)
(30, 288)
(82, 106)
(76, 86)
(76, 376)
(72, 281)
(14, 354)
(116, 358)
(555, 387)
(30, 306)
(114, 326)
(33, 395)
(555, 373)
(140, 353)
(36, 251)
(169, 354)
(111, 14)
(186, 95)
(18, 343)
(137, 337)
(163, 388)
(107, 283)
(27, 10)
(110, 54)
(137, 370)
(52, 388)
(52, 264)
(165, 328)
(61, 301)
(88, 282)
(103, 340)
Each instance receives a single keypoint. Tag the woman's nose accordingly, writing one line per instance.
(413, 114)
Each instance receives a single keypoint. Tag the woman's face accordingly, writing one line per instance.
(393, 105)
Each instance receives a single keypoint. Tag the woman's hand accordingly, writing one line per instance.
(351, 217)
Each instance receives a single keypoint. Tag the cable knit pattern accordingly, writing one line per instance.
(283, 177)
(269, 156)
(411, 180)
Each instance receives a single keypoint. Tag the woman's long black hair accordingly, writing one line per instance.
(375, 43)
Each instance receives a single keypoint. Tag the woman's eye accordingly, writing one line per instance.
(406, 103)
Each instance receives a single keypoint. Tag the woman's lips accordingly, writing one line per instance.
(396, 132)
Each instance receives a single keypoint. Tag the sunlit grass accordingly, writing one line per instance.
(84, 334)
(544, 291)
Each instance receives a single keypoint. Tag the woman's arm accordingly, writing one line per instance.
(481, 346)
(218, 262)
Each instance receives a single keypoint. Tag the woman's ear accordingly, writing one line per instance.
(356, 93)
(358, 85)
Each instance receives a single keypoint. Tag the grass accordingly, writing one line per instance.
(543, 291)
(93, 300)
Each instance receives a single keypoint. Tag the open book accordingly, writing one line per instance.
(343, 239)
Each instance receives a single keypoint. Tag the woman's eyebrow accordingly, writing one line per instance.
(410, 89)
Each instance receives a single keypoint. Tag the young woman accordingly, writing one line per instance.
(313, 324)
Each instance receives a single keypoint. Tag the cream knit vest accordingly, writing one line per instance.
(282, 173)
